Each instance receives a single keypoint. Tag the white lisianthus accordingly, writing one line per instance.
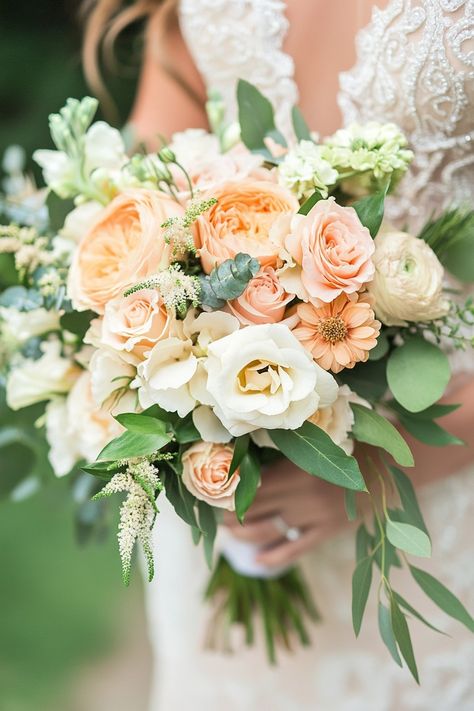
(261, 377)
(111, 377)
(104, 147)
(208, 327)
(163, 378)
(305, 169)
(37, 380)
(22, 325)
(408, 281)
(337, 419)
(79, 221)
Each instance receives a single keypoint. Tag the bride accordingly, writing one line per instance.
(406, 61)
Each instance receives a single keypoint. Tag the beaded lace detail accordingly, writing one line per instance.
(242, 39)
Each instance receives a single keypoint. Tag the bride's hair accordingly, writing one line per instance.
(104, 21)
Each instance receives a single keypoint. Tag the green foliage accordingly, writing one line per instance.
(248, 484)
(408, 498)
(408, 538)
(21, 298)
(350, 504)
(402, 636)
(180, 498)
(386, 633)
(185, 431)
(451, 236)
(241, 446)
(442, 597)
(227, 281)
(370, 210)
(208, 526)
(58, 210)
(417, 374)
(300, 126)
(310, 203)
(134, 444)
(374, 429)
(406, 606)
(361, 582)
(367, 379)
(310, 448)
(256, 119)
(77, 322)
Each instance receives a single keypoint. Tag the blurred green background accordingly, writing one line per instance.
(71, 638)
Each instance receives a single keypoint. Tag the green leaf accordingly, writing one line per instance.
(179, 497)
(406, 605)
(248, 484)
(367, 379)
(386, 633)
(361, 581)
(382, 347)
(370, 210)
(310, 203)
(256, 119)
(228, 280)
(408, 498)
(185, 431)
(58, 210)
(300, 126)
(442, 597)
(77, 322)
(20, 298)
(451, 236)
(363, 542)
(408, 538)
(436, 411)
(428, 432)
(208, 526)
(133, 444)
(402, 636)
(310, 448)
(241, 446)
(350, 504)
(141, 424)
(374, 429)
(417, 374)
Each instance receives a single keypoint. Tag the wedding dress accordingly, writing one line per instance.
(415, 67)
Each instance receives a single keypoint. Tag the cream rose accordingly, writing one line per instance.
(242, 221)
(263, 301)
(337, 419)
(262, 377)
(133, 324)
(124, 246)
(42, 379)
(330, 253)
(163, 378)
(408, 281)
(206, 474)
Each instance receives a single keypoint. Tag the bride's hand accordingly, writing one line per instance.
(304, 502)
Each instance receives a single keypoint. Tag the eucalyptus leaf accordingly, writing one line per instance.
(363, 543)
(442, 597)
(381, 349)
(408, 538)
(21, 298)
(361, 581)
(374, 429)
(386, 633)
(228, 280)
(408, 498)
(402, 636)
(406, 605)
(256, 119)
(417, 373)
(300, 126)
(350, 504)
(310, 448)
(249, 482)
(428, 432)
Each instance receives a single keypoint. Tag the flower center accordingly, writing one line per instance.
(259, 377)
(333, 329)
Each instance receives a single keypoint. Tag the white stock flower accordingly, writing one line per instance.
(58, 170)
(104, 147)
(37, 380)
(163, 378)
(408, 281)
(337, 419)
(23, 325)
(79, 221)
(305, 169)
(261, 377)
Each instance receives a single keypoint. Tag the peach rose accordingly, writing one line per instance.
(124, 246)
(332, 253)
(206, 474)
(263, 301)
(134, 323)
(242, 221)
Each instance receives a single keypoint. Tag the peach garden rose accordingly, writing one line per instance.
(243, 220)
(124, 246)
(330, 253)
(263, 301)
(206, 474)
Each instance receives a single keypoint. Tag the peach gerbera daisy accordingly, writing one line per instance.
(339, 334)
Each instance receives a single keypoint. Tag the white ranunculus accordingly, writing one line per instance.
(23, 325)
(104, 147)
(58, 170)
(37, 380)
(111, 377)
(80, 220)
(262, 377)
(337, 419)
(408, 281)
(163, 378)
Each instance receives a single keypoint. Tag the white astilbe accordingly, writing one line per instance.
(137, 513)
(176, 288)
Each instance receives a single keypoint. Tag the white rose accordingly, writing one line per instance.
(163, 378)
(37, 380)
(80, 220)
(408, 280)
(104, 147)
(337, 419)
(261, 377)
(23, 325)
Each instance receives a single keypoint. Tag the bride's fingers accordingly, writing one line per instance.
(287, 552)
(263, 532)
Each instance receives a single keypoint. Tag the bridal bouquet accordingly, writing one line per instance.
(190, 315)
